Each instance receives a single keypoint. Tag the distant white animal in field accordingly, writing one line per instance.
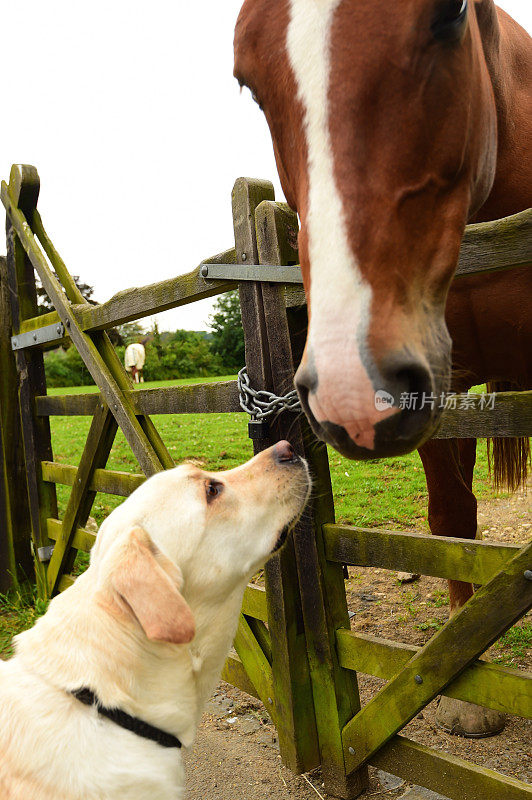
(134, 359)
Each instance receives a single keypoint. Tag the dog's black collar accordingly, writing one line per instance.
(126, 721)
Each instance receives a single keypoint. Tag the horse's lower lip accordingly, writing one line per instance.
(392, 437)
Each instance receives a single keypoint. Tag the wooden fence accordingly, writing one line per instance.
(294, 648)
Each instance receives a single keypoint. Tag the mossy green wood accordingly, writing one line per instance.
(136, 303)
(105, 481)
(41, 497)
(256, 665)
(511, 416)
(445, 773)
(506, 690)
(95, 454)
(294, 714)
(334, 694)
(443, 557)
(81, 540)
(255, 603)
(94, 353)
(235, 674)
(201, 398)
(16, 562)
(485, 617)
(499, 244)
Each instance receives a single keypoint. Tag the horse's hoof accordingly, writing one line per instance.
(408, 577)
(467, 719)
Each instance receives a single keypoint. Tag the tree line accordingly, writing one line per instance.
(169, 354)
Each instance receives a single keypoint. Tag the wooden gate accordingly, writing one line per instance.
(294, 649)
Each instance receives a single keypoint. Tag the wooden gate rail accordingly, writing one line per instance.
(467, 560)
(294, 649)
(467, 634)
(486, 684)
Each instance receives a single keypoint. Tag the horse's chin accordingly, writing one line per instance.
(395, 436)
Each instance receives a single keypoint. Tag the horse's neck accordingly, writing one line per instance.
(508, 54)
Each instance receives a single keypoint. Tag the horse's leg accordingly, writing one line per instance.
(449, 465)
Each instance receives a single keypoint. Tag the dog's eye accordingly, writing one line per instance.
(450, 20)
(213, 489)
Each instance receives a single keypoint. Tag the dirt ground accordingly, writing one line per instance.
(236, 755)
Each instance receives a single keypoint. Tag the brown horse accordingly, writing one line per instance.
(394, 124)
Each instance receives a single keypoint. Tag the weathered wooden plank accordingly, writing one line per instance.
(103, 372)
(254, 604)
(263, 637)
(95, 454)
(65, 582)
(256, 666)
(511, 416)
(139, 302)
(106, 481)
(451, 776)
(235, 674)
(486, 246)
(16, 562)
(31, 378)
(293, 693)
(500, 244)
(27, 325)
(68, 405)
(333, 690)
(468, 560)
(82, 540)
(470, 631)
(246, 197)
(500, 688)
(200, 398)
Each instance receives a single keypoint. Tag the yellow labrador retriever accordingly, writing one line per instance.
(105, 688)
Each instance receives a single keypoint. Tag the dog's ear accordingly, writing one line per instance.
(147, 581)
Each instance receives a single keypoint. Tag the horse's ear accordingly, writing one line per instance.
(148, 582)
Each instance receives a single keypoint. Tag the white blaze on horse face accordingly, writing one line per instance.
(340, 299)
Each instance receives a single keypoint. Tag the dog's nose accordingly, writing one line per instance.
(283, 452)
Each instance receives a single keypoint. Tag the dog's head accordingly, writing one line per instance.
(187, 533)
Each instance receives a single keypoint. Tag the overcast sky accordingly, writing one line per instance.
(130, 113)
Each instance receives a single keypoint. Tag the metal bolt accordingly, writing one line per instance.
(115, 407)
(244, 256)
(34, 337)
(204, 271)
(528, 574)
(14, 342)
(68, 323)
(352, 751)
(58, 329)
(418, 679)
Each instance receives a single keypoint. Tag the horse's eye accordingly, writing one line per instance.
(213, 489)
(450, 19)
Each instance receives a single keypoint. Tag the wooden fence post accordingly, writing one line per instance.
(32, 381)
(321, 585)
(292, 703)
(16, 563)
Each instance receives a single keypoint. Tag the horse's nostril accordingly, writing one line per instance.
(284, 452)
(410, 379)
(410, 382)
(306, 380)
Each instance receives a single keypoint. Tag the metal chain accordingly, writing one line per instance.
(261, 405)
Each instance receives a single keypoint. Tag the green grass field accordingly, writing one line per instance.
(389, 492)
